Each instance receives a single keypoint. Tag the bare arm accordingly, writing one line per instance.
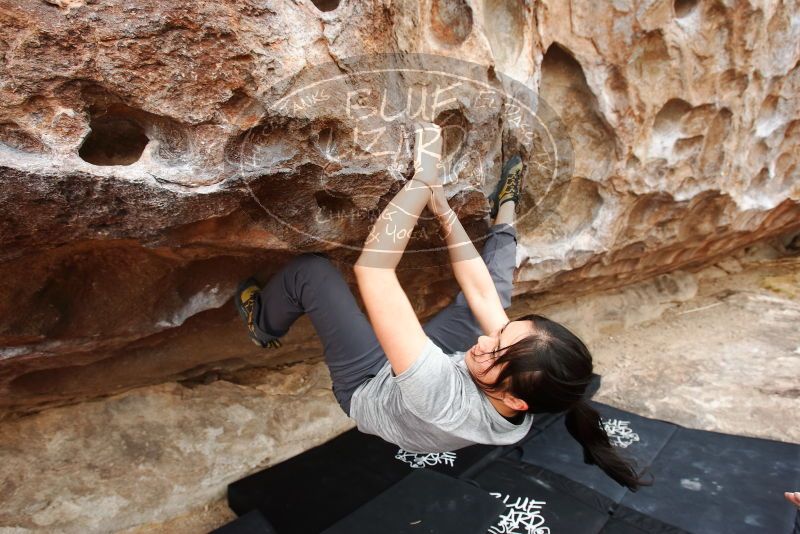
(392, 317)
(469, 268)
(390, 312)
(391, 233)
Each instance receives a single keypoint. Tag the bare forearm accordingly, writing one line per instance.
(389, 236)
(468, 266)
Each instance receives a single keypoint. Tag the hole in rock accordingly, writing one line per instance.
(668, 130)
(114, 140)
(325, 142)
(786, 169)
(689, 147)
(670, 115)
(333, 202)
(685, 7)
(326, 5)
(451, 21)
(580, 204)
(793, 243)
(761, 180)
(563, 75)
(262, 147)
(696, 121)
(713, 155)
(505, 24)
(769, 117)
(651, 63)
(564, 87)
(119, 133)
(454, 131)
(757, 155)
(704, 215)
(651, 214)
(733, 81)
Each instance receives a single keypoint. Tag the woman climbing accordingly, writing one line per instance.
(469, 375)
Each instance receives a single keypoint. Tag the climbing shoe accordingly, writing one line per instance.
(509, 186)
(245, 301)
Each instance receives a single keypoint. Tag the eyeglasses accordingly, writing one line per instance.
(498, 337)
(497, 347)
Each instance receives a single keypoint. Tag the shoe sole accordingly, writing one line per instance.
(243, 313)
(238, 300)
(510, 164)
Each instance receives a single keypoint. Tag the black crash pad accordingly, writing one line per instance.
(712, 482)
(532, 504)
(555, 450)
(703, 481)
(311, 491)
(615, 526)
(250, 523)
(536, 505)
(424, 502)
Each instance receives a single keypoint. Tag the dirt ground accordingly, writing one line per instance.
(726, 360)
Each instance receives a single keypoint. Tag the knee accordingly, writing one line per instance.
(312, 263)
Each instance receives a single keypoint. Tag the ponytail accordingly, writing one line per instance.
(584, 424)
(551, 370)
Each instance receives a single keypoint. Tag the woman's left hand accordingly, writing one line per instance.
(428, 154)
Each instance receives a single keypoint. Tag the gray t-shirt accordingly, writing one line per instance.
(434, 406)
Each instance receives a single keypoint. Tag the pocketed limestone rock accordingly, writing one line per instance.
(145, 169)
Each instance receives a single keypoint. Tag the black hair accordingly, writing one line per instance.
(550, 370)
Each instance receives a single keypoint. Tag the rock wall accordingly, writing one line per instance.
(145, 170)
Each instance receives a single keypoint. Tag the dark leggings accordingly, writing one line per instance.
(311, 284)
